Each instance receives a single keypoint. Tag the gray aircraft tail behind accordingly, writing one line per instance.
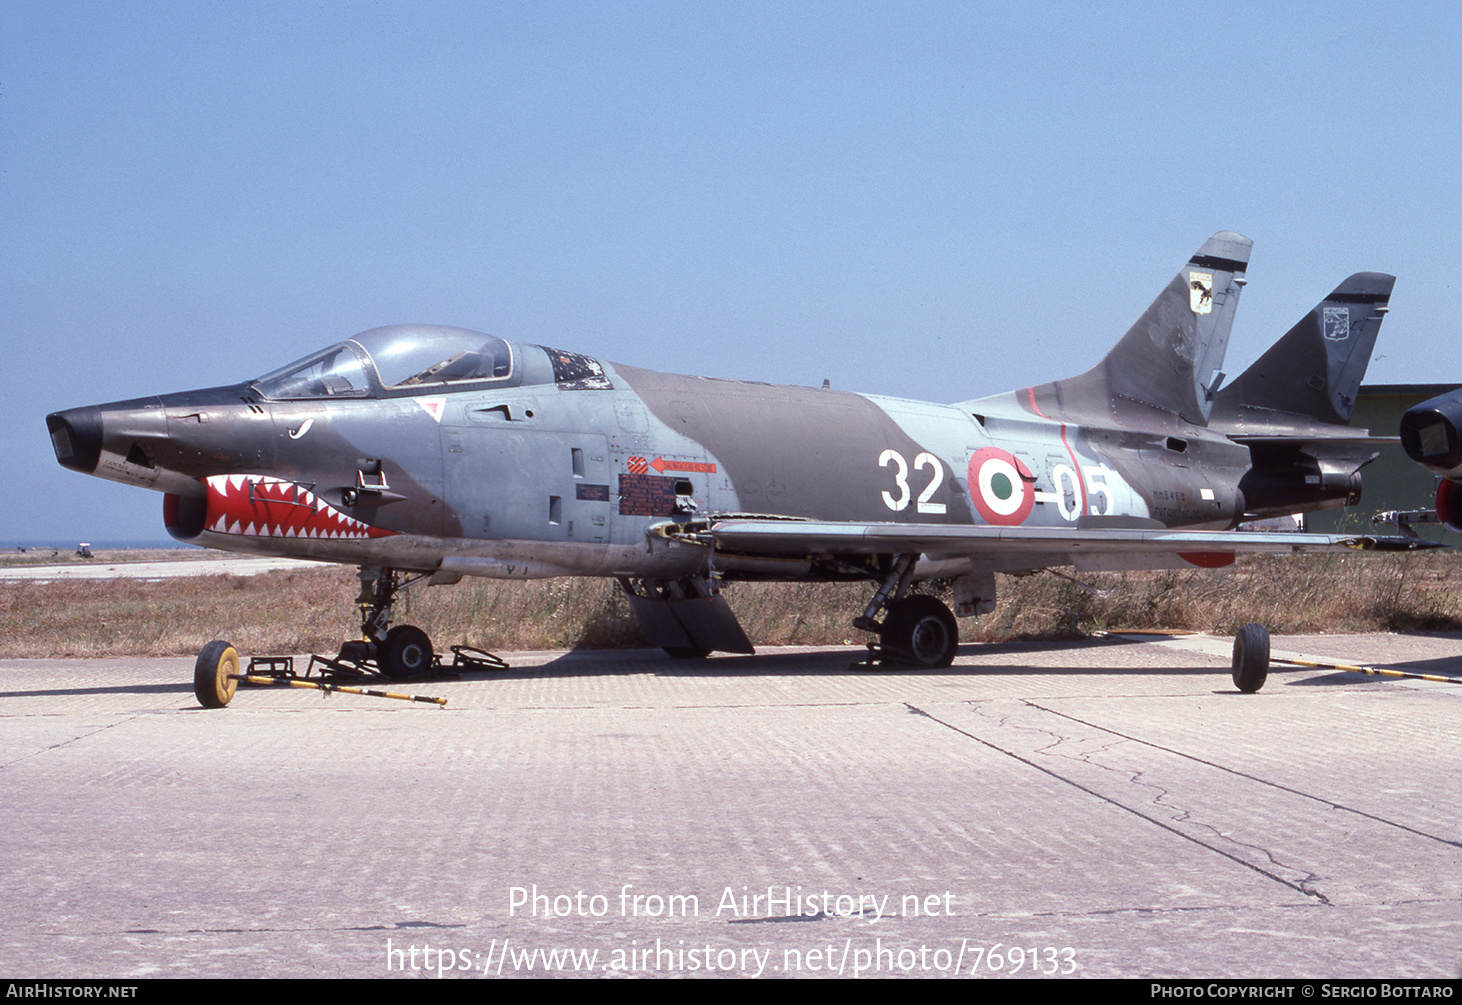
(1309, 379)
(1292, 408)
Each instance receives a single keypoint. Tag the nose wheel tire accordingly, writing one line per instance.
(922, 630)
(406, 653)
(211, 683)
(1251, 658)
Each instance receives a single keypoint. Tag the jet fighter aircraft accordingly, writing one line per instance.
(1431, 435)
(418, 451)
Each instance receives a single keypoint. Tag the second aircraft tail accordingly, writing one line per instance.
(1311, 376)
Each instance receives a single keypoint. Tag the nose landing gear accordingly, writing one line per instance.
(400, 653)
(407, 653)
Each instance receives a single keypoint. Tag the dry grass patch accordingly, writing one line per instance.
(313, 611)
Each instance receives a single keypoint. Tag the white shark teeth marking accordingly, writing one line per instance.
(265, 506)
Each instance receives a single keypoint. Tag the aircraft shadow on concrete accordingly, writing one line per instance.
(840, 661)
(182, 687)
(1008, 658)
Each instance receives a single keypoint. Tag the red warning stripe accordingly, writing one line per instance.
(1208, 559)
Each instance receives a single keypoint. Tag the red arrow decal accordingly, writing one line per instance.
(661, 465)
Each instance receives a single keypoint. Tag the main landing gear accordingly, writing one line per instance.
(916, 630)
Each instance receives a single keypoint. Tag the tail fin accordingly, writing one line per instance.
(1312, 374)
(1164, 370)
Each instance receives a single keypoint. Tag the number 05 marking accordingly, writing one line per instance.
(900, 502)
(1064, 480)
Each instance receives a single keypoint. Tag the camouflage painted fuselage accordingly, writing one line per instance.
(549, 473)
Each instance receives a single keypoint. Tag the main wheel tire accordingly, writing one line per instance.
(407, 653)
(1251, 658)
(211, 683)
(921, 629)
(687, 652)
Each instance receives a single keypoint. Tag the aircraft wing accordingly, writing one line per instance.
(1030, 547)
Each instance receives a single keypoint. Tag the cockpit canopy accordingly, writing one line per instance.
(396, 359)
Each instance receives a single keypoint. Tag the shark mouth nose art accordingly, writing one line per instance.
(260, 506)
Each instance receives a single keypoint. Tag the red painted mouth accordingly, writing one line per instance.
(260, 506)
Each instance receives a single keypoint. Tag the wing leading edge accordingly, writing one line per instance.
(788, 538)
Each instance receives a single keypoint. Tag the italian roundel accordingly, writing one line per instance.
(1001, 486)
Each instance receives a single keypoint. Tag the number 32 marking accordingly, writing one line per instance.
(901, 481)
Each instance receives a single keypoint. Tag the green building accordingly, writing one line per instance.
(1392, 481)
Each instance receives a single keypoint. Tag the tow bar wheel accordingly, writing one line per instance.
(211, 681)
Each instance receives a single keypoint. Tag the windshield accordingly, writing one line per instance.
(338, 371)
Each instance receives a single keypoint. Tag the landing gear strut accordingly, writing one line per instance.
(400, 653)
(918, 630)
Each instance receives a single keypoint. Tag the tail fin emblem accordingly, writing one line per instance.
(1336, 323)
(1200, 292)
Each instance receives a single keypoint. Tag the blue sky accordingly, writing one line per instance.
(926, 200)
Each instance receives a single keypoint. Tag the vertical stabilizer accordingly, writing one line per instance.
(1313, 374)
(1163, 372)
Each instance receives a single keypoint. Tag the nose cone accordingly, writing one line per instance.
(76, 436)
(165, 442)
(118, 441)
